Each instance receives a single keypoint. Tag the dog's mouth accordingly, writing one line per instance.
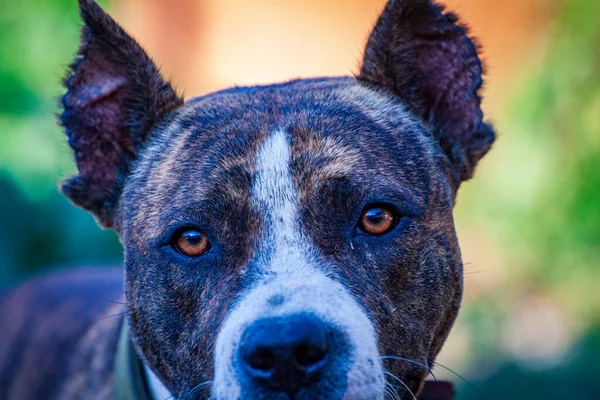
(395, 388)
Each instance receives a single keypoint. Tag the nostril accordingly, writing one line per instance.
(307, 355)
(262, 358)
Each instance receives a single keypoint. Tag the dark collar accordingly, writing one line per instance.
(131, 383)
(437, 390)
(130, 377)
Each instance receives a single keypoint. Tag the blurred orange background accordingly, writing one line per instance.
(211, 44)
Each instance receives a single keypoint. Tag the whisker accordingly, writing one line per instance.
(475, 388)
(401, 382)
(391, 390)
(116, 302)
(479, 271)
(196, 388)
(111, 316)
(386, 394)
(410, 361)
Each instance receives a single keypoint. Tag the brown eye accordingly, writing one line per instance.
(192, 243)
(377, 220)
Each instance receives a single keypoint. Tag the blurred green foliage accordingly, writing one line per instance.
(558, 109)
(541, 194)
(540, 198)
(538, 193)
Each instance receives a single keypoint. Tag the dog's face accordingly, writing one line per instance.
(285, 241)
(314, 197)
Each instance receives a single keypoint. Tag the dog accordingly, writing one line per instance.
(291, 241)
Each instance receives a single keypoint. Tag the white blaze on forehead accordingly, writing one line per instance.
(274, 195)
(287, 267)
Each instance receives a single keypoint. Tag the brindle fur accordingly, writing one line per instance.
(408, 129)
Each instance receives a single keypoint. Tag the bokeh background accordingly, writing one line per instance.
(529, 224)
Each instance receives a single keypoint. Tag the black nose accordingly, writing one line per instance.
(285, 353)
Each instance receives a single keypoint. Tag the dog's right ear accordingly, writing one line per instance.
(115, 96)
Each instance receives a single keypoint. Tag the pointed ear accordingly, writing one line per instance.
(422, 55)
(115, 96)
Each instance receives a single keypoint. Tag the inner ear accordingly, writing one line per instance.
(99, 86)
(115, 96)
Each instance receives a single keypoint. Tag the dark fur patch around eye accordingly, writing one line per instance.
(424, 56)
(115, 96)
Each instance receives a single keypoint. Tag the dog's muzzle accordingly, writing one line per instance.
(315, 341)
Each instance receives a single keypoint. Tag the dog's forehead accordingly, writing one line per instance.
(336, 129)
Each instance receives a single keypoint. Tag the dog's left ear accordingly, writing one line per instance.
(115, 96)
(422, 55)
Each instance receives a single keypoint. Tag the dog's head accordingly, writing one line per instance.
(286, 241)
